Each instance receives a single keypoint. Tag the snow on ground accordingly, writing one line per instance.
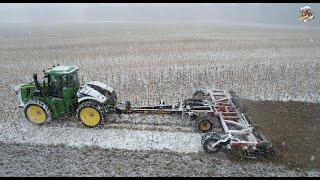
(104, 138)
(181, 150)
(129, 153)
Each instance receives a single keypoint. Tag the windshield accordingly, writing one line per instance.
(70, 80)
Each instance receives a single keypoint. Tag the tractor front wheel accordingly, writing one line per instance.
(38, 112)
(91, 114)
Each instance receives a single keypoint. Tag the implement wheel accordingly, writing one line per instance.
(268, 150)
(208, 140)
(200, 94)
(203, 124)
(235, 98)
(91, 114)
(37, 112)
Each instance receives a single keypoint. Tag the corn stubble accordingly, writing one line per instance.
(145, 63)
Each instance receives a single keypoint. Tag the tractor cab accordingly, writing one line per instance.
(61, 81)
(58, 91)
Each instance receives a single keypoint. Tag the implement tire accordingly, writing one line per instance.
(200, 94)
(203, 124)
(38, 112)
(234, 98)
(209, 139)
(91, 114)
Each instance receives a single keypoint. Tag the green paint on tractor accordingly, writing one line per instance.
(58, 90)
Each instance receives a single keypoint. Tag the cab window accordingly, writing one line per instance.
(70, 80)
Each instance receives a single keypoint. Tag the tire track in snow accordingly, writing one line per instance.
(181, 142)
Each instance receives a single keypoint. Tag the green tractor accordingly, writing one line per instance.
(60, 95)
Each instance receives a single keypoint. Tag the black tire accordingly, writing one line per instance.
(236, 101)
(268, 150)
(200, 94)
(205, 136)
(128, 106)
(43, 106)
(271, 153)
(203, 124)
(235, 98)
(96, 106)
(209, 139)
(113, 99)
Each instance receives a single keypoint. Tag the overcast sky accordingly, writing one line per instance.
(242, 13)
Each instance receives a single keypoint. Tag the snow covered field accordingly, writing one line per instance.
(126, 139)
(144, 63)
(118, 152)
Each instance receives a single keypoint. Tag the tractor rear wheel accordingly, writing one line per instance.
(38, 112)
(91, 114)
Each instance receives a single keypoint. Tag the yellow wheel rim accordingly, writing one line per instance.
(205, 126)
(36, 114)
(90, 116)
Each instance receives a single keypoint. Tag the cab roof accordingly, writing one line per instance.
(60, 70)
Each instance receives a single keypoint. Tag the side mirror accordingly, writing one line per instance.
(35, 77)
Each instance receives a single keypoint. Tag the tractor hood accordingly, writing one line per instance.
(22, 91)
(88, 93)
(98, 91)
(101, 85)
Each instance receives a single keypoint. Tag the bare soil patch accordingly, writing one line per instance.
(26, 160)
(293, 128)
